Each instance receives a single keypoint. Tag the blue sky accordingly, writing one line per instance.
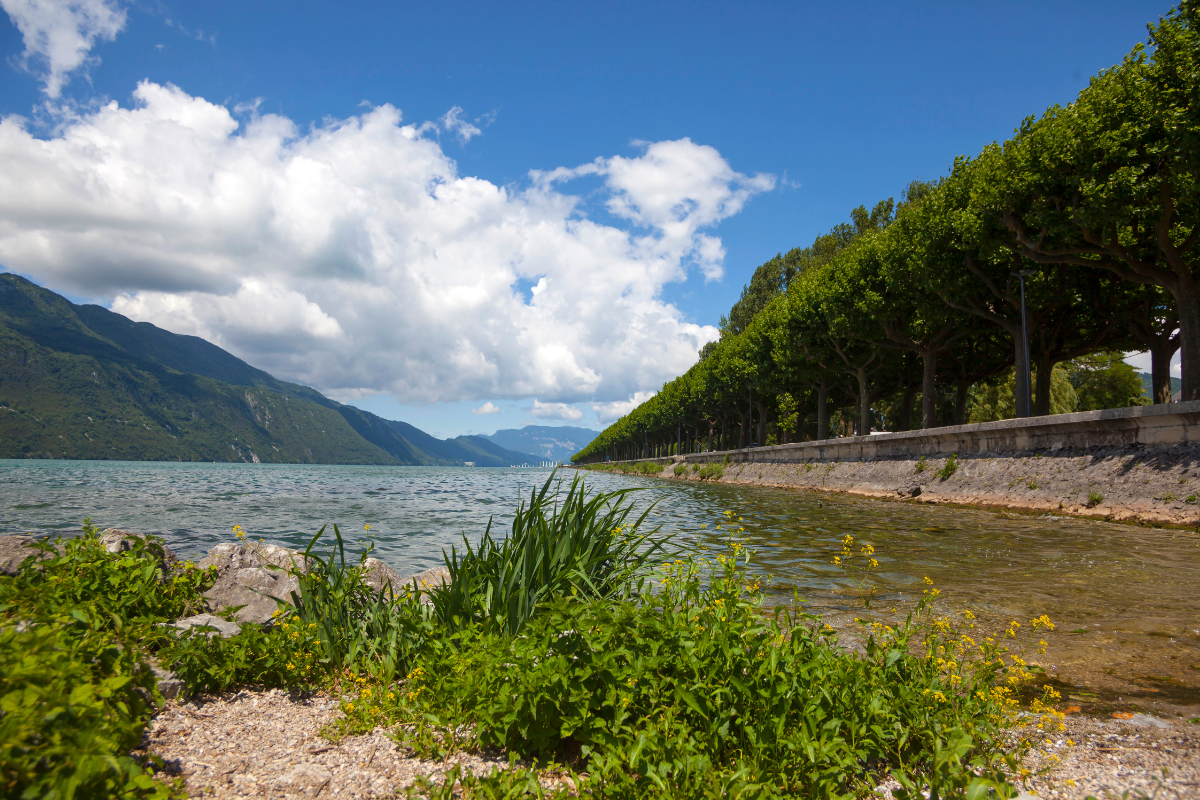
(772, 119)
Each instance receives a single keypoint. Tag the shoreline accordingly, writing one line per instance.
(1152, 486)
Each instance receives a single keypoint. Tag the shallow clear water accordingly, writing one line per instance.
(1129, 588)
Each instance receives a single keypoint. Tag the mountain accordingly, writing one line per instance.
(545, 442)
(78, 381)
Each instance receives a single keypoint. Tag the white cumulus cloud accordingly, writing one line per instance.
(353, 256)
(566, 411)
(614, 410)
(487, 408)
(59, 34)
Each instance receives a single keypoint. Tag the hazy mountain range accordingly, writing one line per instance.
(78, 381)
(552, 443)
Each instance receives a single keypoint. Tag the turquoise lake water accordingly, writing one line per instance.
(1116, 586)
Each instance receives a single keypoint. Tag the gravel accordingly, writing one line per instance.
(269, 744)
(1145, 756)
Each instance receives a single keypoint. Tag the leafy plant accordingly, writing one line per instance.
(572, 545)
(1094, 499)
(680, 469)
(695, 692)
(920, 466)
(75, 694)
(949, 468)
(713, 472)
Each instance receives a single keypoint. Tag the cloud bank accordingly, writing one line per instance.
(355, 258)
(59, 34)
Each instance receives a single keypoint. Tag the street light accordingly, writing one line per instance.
(1028, 398)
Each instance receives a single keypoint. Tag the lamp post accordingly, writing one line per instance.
(1028, 398)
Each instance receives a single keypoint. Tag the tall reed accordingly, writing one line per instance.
(572, 545)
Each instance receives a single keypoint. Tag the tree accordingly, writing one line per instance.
(1112, 181)
(1104, 380)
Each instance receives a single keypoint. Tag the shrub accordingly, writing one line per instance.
(713, 472)
(920, 465)
(1094, 499)
(697, 693)
(680, 469)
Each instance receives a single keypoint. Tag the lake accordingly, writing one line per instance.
(1124, 598)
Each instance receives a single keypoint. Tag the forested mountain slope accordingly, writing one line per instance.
(78, 381)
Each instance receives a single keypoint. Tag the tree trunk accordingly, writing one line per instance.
(822, 411)
(1041, 385)
(864, 402)
(960, 402)
(1160, 373)
(1187, 301)
(928, 389)
(906, 409)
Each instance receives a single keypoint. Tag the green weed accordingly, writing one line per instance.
(949, 468)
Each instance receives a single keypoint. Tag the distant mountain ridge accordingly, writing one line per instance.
(554, 443)
(79, 381)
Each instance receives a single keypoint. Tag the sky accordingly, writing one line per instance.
(473, 216)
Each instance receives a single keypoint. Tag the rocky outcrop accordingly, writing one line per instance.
(252, 575)
(14, 550)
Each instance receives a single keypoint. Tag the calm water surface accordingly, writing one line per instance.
(1110, 587)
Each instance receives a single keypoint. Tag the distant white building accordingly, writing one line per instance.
(468, 463)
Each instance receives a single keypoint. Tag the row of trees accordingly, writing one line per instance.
(1095, 204)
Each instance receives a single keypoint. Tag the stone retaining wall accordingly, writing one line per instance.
(1130, 464)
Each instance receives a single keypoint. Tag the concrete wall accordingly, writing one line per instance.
(1150, 426)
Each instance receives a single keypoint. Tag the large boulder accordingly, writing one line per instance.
(14, 550)
(250, 575)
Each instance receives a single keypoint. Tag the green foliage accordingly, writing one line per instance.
(949, 468)
(1104, 380)
(75, 692)
(72, 705)
(560, 545)
(680, 469)
(920, 466)
(636, 468)
(79, 573)
(1094, 499)
(697, 693)
(712, 471)
(1094, 203)
(994, 400)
